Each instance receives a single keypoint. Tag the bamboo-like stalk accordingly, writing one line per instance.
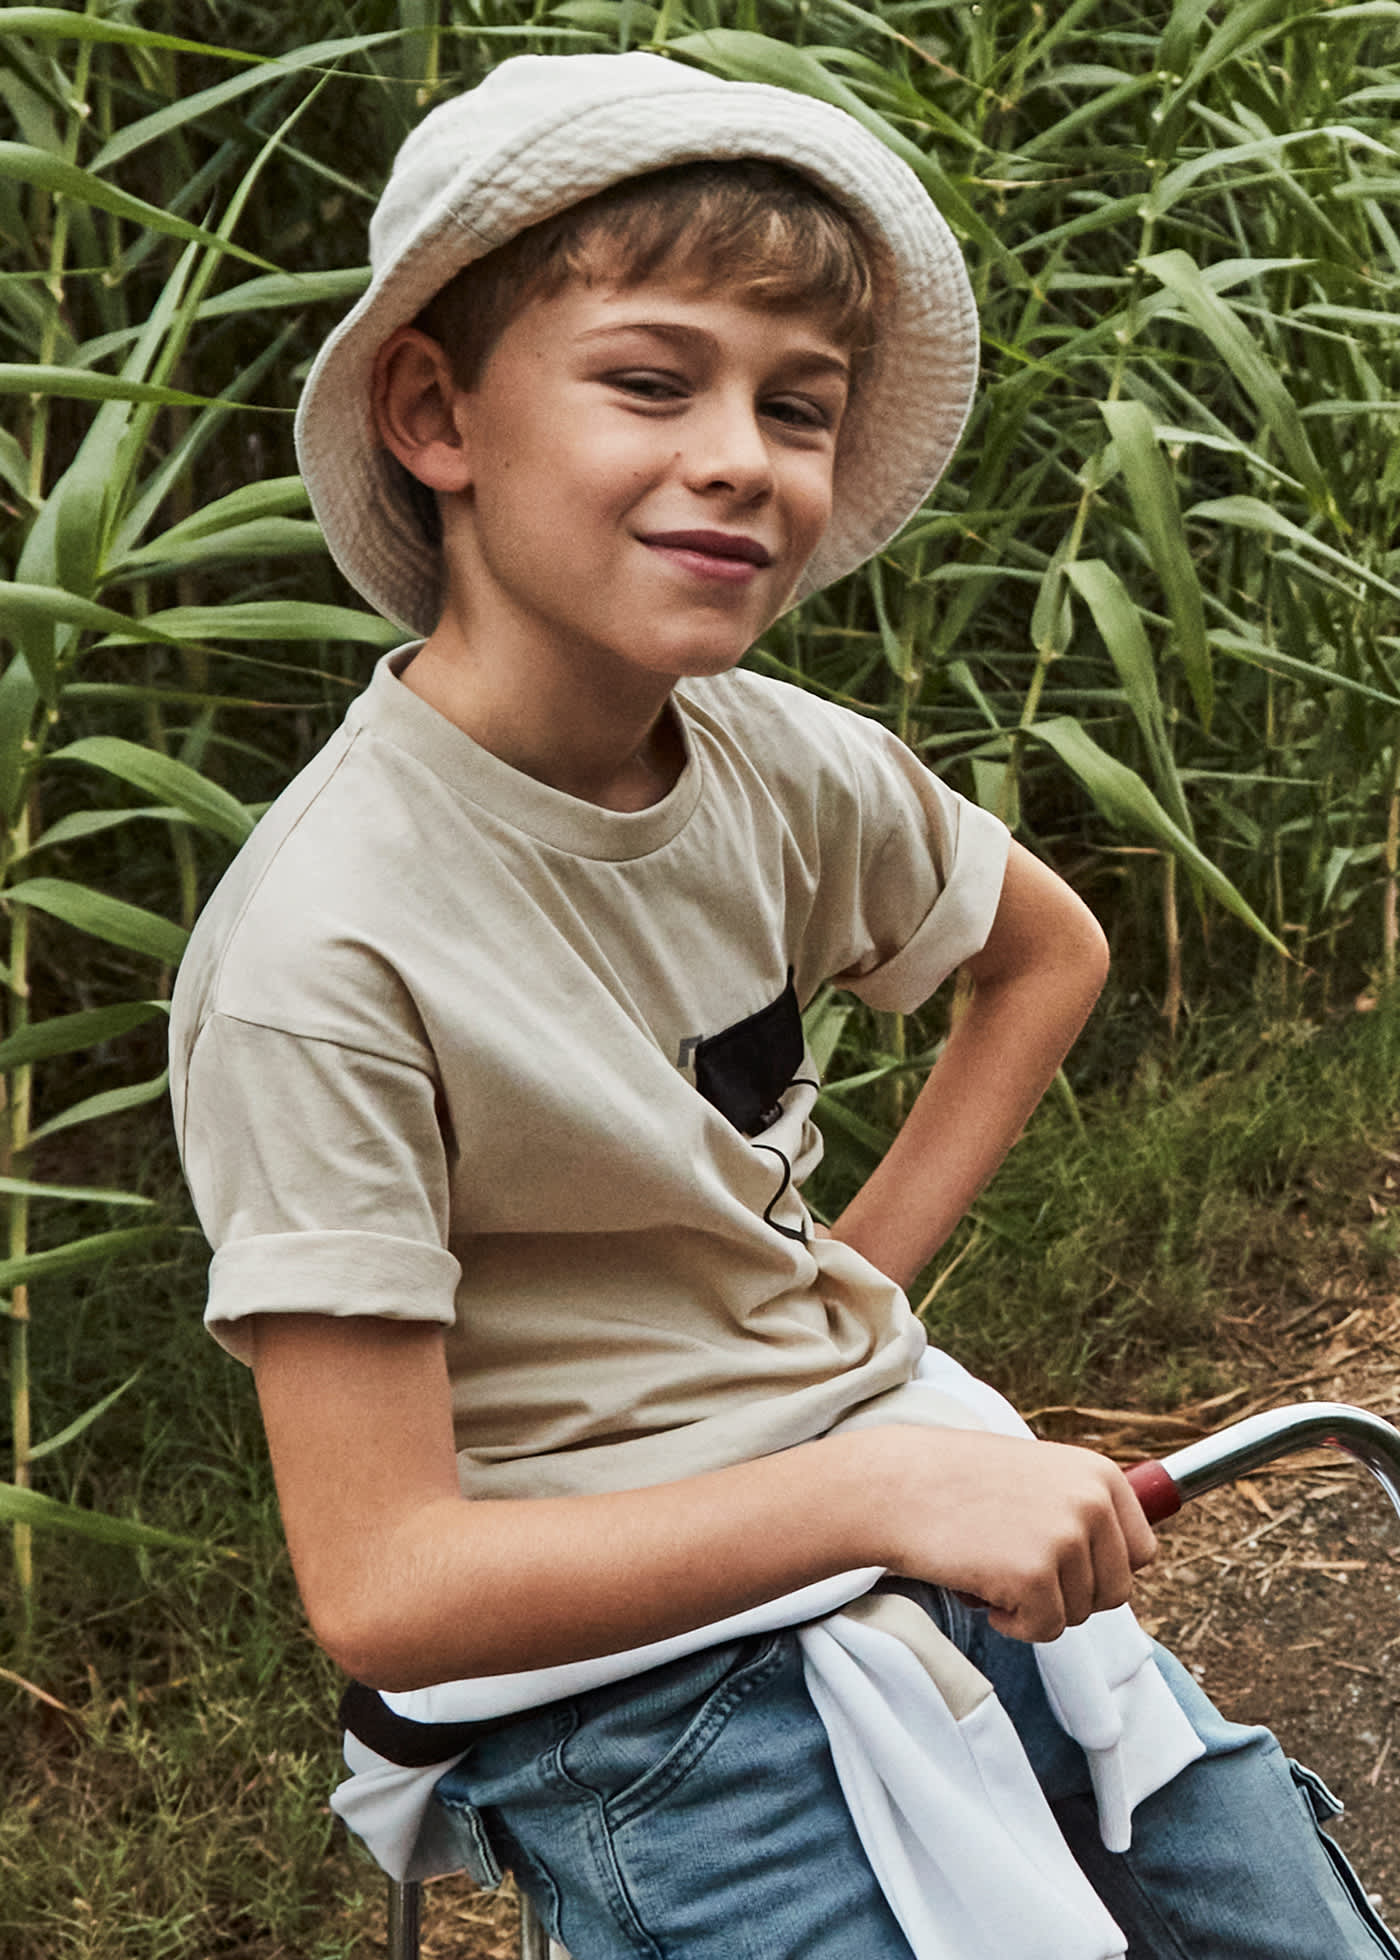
(58, 254)
(1171, 931)
(19, 1081)
(18, 1105)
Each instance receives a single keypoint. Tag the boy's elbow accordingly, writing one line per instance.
(1094, 954)
(1082, 958)
(380, 1648)
(1072, 940)
(361, 1614)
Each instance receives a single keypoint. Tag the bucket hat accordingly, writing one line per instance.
(543, 132)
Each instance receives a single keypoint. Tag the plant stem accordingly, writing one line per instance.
(1171, 926)
(58, 253)
(18, 1099)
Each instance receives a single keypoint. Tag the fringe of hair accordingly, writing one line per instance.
(748, 227)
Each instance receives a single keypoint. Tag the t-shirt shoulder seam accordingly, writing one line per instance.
(303, 1034)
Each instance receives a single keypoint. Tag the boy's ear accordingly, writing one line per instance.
(416, 410)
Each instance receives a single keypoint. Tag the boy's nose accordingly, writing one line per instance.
(727, 451)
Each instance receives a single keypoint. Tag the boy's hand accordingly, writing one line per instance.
(1042, 1533)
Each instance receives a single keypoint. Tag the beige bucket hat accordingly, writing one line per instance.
(545, 131)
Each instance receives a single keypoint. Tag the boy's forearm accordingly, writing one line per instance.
(406, 1582)
(1033, 990)
(485, 1587)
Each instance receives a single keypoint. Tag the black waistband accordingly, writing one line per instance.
(413, 1745)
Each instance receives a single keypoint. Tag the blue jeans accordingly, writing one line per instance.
(693, 1813)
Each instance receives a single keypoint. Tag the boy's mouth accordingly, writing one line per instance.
(713, 548)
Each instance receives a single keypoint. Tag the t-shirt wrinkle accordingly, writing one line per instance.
(432, 1057)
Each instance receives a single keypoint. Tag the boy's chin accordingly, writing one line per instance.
(690, 658)
(695, 663)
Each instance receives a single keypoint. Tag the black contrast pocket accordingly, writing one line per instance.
(744, 1070)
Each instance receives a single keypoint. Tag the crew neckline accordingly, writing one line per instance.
(389, 709)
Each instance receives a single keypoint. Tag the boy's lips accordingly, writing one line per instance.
(726, 553)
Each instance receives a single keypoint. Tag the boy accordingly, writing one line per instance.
(492, 1094)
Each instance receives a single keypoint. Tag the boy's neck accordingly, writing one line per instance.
(619, 755)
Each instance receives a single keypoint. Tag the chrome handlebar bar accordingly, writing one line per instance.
(1163, 1486)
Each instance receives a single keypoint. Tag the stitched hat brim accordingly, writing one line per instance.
(914, 396)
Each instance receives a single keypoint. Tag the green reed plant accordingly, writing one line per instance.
(91, 546)
(1152, 617)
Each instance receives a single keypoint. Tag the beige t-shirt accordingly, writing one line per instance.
(449, 1045)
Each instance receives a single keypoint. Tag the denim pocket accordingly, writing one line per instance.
(631, 1744)
(1324, 1808)
(468, 1834)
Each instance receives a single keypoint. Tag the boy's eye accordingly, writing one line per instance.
(799, 412)
(648, 384)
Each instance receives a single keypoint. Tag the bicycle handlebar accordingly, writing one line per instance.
(1163, 1485)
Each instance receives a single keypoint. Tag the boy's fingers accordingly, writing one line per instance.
(1039, 1617)
(1078, 1584)
(1138, 1535)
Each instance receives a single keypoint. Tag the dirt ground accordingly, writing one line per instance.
(1281, 1592)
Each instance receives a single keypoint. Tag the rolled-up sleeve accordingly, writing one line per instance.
(922, 882)
(956, 923)
(320, 1175)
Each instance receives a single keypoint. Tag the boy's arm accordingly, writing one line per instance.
(1035, 980)
(406, 1582)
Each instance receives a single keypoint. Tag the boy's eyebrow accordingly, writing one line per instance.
(808, 358)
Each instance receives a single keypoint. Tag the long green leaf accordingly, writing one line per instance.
(19, 1506)
(268, 621)
(205, 803)
(70, 1034)
(1121, 628)
(96, 481)
(1176, 182)
(82, 385)
(91, 823)
(95, 1194)
(264, 537)
(109, 1102)
(1155, 506)
(77, 1252)
(64, 24)
(19, 698)
(253, 296)
(278, 496)
(112, 919)
(1127, 802)
(47, 603)
(1256, 373)
(1253, 514)
(319, 54)
(1315, 679)
(20, 163)
(80, 1423)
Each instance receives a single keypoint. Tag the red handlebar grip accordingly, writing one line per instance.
(1154, 1490)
